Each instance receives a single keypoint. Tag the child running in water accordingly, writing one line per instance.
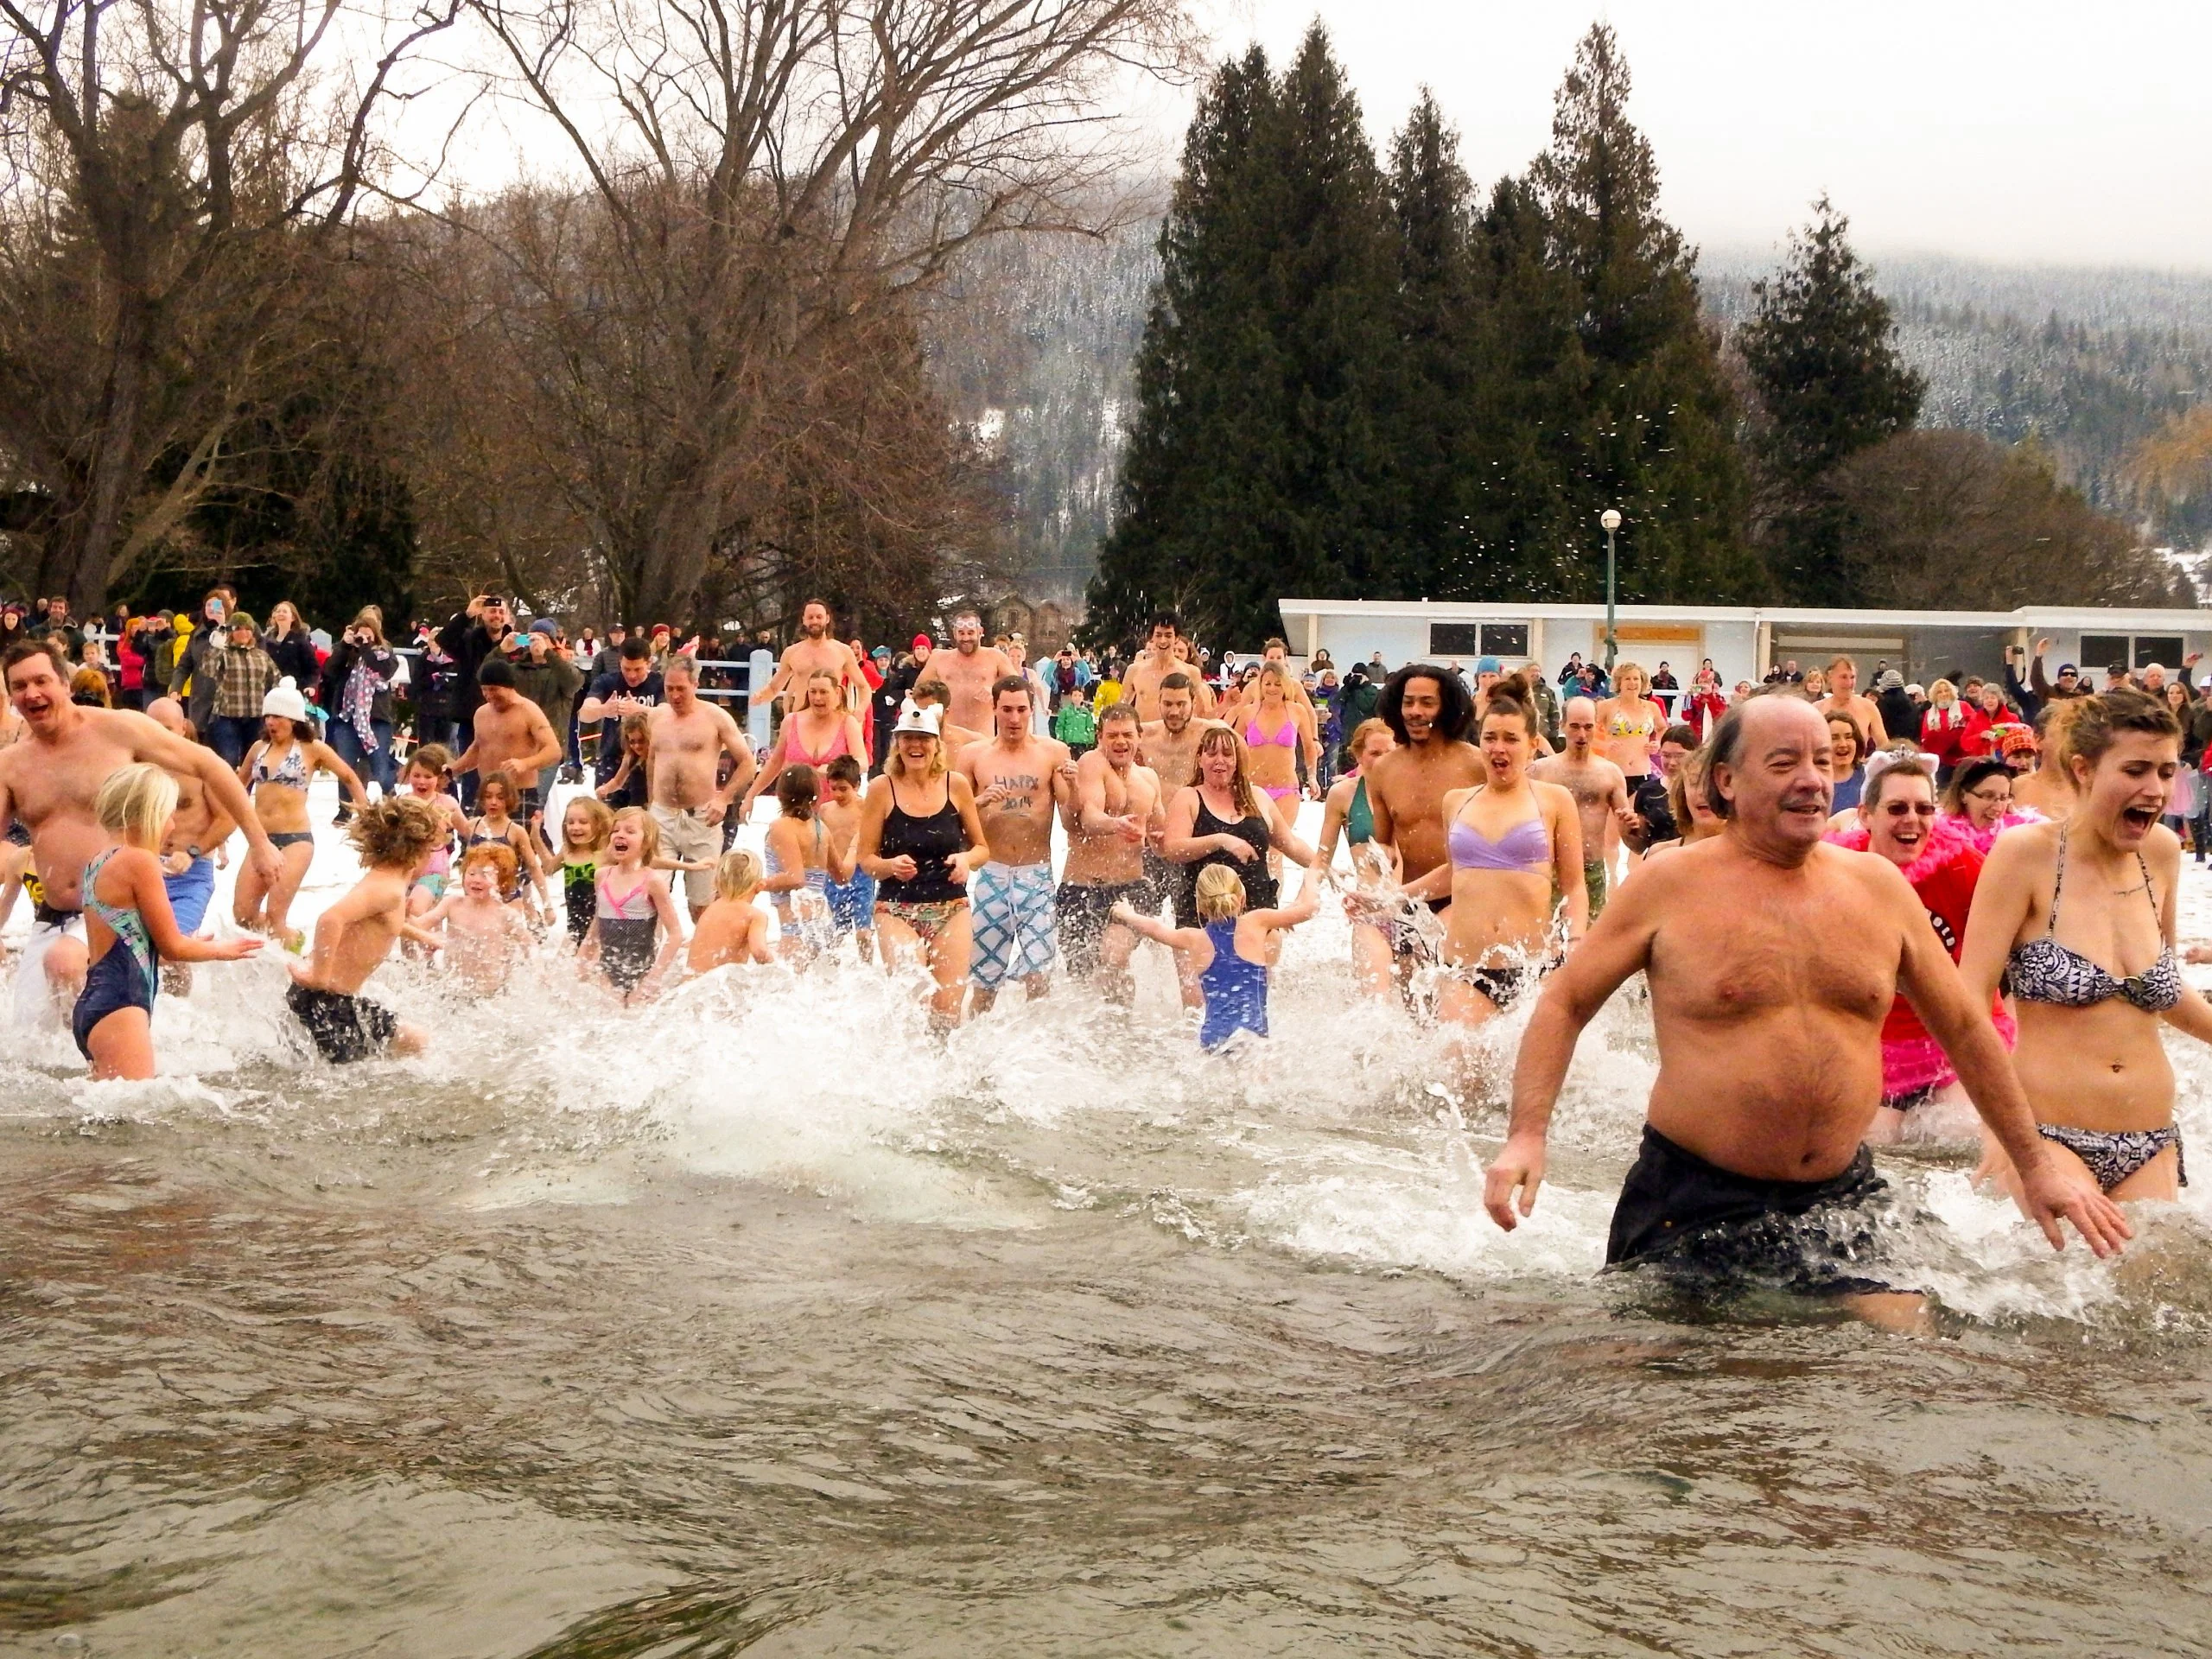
(635, 935)
(1230, 952)
(802, 860)
(395, 837)
(129, 929)
(733, 928)
(484, 937)
(496, 797)
(427, 772)
(585, 825)
(852, 900)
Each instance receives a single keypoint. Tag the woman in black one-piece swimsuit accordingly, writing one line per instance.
(1199, 817)
(920, 837)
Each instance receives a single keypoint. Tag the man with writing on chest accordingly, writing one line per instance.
(1019, 778)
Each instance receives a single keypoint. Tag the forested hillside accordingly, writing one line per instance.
(2088, 363)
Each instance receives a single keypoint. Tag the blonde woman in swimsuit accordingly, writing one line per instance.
(1276, 730)
(815, 735)
(1628, 724)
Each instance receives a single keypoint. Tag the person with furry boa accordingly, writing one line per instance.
(1940, 858)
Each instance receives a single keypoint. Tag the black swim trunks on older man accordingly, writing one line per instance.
(1692, 1219)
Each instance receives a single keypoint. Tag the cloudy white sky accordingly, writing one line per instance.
(2070, 133)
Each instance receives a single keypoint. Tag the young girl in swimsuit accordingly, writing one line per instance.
(129, 929)
(1513, 842)
(636, 933)
(627, 787)
(804, 859)
(495, 799)
(814, 736)
(585, 825)
(1231, 954)
(1629, 723)
(426, 779)
(484, 937)
(2077, 917)
(1375, 866)
(277, 770)
(733, 928)
(1277, 730)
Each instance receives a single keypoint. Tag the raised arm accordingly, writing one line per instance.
(154, 743)
(1619, 945)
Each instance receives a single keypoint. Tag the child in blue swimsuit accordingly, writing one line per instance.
(1232, 949)
(130, 927)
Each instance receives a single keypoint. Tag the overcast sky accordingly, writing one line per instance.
(2073, 134)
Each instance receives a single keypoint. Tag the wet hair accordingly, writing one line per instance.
(1901, 761)
(2099, 722)
(1969, 778)
(1118, 711)
(1178, 680)
(1455, 720)
(394, 832)
(1368, 728)
(496, 671)
(506, 787)
(135, 799)
(433, 758)
(648, 832)
(1218, 893)
(737, 871)
(1504, 703)
(500, 857)
(797, 790)
(598, 814)
(635, 725)
(1213, 740)
(845, 769)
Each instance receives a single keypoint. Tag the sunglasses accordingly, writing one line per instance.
(1917, 809)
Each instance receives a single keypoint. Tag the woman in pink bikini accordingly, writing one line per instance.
(1276, 731)
(814, 735)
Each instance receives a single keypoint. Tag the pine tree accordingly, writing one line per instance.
(1822, 357)
(1261, 460)
(1655, 435)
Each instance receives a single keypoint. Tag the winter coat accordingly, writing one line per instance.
(1943, 731)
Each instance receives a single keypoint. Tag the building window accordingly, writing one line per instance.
(1478, 639)
(2165, 648)
(1505, 639)
(2100, 651)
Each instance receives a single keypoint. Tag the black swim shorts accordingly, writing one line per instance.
(1084, 913)
(1694, 1220)
(345, 1029)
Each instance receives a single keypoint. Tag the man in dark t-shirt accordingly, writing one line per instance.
(634, 688)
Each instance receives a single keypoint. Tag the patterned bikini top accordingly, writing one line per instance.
(291, 771)
(2043, 970)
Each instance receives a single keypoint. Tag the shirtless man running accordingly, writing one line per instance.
(510, 738)
(816, 648)
(51, 779)
(1752, 1169)
(1843, 698)
(967, 672)
(1018, 778)
(188, 855)
(1600, 791)
(687, 738)
(1170, 747)
(1116, 812)
(1163, 656)
(1432, 713)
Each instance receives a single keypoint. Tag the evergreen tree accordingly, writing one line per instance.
(1261, 460)
(1655, 435)
(1823, 361)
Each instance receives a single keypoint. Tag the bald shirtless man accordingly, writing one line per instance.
(1600, 791)
(193, 844)
(1432, 713)
(817, 647)
(967, 672)
(1164, 654)
(511, 738)
(1019, 778)
(51, 781)
(687, 737)
(1753, 1170)
(1116, 812)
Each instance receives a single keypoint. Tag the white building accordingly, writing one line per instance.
(1743, 643)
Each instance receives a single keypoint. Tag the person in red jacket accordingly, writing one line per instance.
(1945, 727)
(1986, 713)
(1703, 709)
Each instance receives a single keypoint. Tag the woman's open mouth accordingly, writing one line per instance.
(2140, 818)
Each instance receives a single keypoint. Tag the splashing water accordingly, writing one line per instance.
(759, 1318)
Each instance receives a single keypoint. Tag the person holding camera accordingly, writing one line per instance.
(205, 639)
(359, 680)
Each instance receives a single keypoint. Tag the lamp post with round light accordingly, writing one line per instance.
(1610, 518)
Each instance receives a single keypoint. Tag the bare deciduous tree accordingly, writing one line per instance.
(763, 174)
(173, 168)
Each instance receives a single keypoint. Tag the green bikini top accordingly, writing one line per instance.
(1359, 818)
